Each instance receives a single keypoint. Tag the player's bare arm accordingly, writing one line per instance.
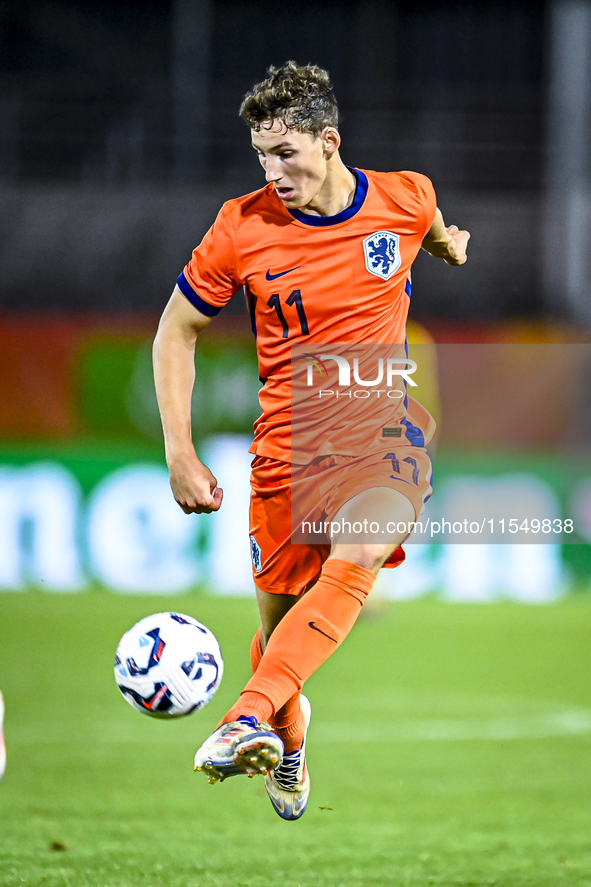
(447, 243)
(193, 485)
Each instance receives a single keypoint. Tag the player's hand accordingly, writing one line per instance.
(193, 485)
(457, 246)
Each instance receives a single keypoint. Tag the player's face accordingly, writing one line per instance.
(295, 162)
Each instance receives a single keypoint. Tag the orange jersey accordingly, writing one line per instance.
(314, 280)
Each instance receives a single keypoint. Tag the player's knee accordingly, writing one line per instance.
(369, 556)
(373, 556)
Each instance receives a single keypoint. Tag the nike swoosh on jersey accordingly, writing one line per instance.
(270, 276)
(315, 627)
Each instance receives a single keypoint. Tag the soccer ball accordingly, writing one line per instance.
(168, 665)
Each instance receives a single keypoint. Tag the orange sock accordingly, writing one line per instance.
(288, 722)
(256, 651)
(305, 638)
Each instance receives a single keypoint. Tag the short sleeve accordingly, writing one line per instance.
(210, 279)
(421, 194)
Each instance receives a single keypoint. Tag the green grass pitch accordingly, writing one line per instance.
(450, 745)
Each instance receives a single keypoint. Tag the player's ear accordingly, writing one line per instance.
(331, 140)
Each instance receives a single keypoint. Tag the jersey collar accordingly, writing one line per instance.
(346, 214)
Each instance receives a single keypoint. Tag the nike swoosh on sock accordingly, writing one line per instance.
(315, 627)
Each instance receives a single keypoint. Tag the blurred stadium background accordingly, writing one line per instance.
(119, 140)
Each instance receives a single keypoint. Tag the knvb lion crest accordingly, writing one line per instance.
(382, 254)
(255, 553)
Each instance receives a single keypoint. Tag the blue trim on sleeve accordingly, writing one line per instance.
(408, 288)
(414, 435)
(195, 299)
(346, 214)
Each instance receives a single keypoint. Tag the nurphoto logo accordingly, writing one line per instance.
(388, 370)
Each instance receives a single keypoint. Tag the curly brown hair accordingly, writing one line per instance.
(300, 96)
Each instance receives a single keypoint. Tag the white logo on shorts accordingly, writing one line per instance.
(382, 254)
(255, 553)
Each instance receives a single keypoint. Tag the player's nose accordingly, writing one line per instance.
(272, 171)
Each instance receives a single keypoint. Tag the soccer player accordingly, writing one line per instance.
(323, 253)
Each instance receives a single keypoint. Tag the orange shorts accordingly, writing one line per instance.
(283, 566)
